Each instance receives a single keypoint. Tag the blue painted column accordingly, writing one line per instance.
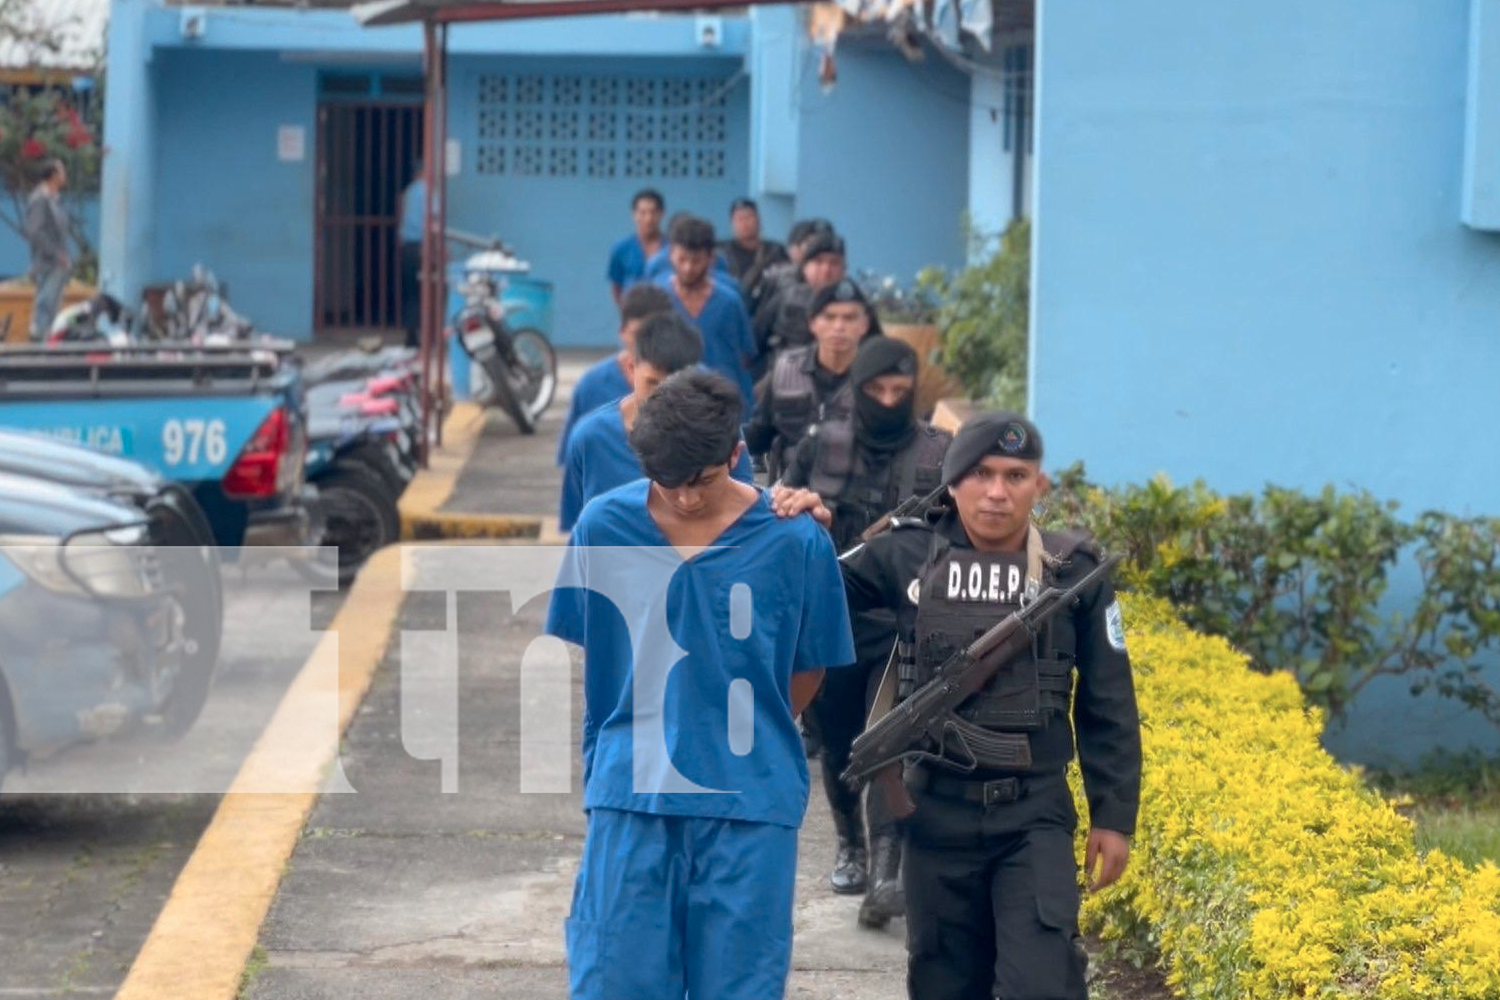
(1481, 208)
(127, 195)
(990, 165)
(773, 59)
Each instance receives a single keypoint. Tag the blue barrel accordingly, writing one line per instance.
(528, 303)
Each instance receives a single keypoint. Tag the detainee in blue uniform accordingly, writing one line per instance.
(695, 779)
(660, 265)
(718, 313)
(609, 380)
(599, 455)
(627, 258)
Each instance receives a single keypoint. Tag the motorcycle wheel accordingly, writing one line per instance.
(536, 382)
(203, 611)
(502, 393)
(360, 518)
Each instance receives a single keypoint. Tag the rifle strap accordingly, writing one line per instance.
(885, 694)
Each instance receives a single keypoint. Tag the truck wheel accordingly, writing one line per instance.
(203, 610)
(360, 518)
(7, 737)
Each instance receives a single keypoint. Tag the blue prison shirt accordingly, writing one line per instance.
(688, 665)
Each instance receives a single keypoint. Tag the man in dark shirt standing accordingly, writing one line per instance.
(746, 253)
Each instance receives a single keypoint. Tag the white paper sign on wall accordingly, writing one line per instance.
(453, 157)
(291, 144)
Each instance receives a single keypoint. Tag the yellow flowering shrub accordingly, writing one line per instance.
(1262, 869)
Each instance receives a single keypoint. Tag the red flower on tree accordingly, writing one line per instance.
(32, 149)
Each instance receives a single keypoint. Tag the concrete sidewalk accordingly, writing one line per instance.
(403, 891)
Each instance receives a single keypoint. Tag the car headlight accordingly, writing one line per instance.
(112, 563)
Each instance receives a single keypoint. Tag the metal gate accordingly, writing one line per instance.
(367, 153)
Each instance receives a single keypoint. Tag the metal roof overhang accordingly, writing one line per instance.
(387, 12)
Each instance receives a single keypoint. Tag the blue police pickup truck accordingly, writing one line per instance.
(226, 423)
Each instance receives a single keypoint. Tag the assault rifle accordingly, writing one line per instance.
(912, 506)
(926, 716)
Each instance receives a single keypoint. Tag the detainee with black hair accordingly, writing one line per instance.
(713, 308)
(609, 379)
(627, 258)
(990, 876)
(706, 622)
(599, 456)
(660, 264)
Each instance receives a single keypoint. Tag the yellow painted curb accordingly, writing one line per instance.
(422, 516)
(204, 935)
(432, 486)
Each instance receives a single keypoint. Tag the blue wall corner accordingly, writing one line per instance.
(1481, 206)
(1249, 260)
(884, 154)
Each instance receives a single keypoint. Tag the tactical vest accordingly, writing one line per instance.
(795, 402)
(790, 329)
(964, 593)
(857, 494)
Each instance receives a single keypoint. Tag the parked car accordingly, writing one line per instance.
(97, 620)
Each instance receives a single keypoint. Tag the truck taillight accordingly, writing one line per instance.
(256, 472)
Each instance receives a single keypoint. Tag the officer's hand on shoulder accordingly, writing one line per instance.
(788, 502)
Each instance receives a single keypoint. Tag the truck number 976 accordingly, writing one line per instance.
(192, 441)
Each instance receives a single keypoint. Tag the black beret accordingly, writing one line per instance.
(840, 291)
(829, 242)
(882, 356)
(1007, 434)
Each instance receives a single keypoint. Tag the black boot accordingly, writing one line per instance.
(885, 898)
(848, 875)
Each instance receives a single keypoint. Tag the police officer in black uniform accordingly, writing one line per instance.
(808, 385)
(863, 464)
(991, 882)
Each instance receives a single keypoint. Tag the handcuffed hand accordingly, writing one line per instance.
(1110, 851)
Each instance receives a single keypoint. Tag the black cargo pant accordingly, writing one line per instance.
(411, 292)
(992, 893)
(838, 716)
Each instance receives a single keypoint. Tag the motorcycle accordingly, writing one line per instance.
(514, 369)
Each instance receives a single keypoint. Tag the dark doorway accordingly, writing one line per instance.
(368, 151)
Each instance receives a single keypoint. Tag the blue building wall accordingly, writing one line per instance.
(1250, 264)
(223, 199)
(884, 155)
(565, 225)
(187, 190)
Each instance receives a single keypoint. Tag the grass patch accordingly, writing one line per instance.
(1468, 832)
(1454, 800)
(251, 972)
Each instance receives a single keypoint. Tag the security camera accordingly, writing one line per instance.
(710, 32)
(194, 23)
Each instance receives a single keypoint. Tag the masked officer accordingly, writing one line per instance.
(806, 385)
(989, 872)
(863, 464)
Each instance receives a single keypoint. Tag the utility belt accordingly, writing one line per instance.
(987, 793)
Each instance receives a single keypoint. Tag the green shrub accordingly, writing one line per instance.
(1297, 581)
